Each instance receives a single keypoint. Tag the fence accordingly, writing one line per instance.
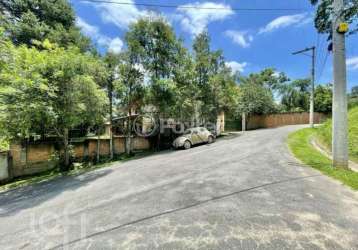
(277, 120)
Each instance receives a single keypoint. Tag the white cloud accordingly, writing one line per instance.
(114, 45)
(352, 63)
(195, 21)
(236, 66)
(285, 21)
(120, 15)
(86, 28)
(240, 37)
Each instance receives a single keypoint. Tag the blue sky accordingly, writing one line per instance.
(250, 40)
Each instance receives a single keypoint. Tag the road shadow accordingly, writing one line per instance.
(16, 200)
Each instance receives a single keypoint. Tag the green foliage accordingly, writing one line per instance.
(323, 99)
(45, 92)
(215, 83)
(256, 92)
(29, 20)
(295, 95)
(324, 15)
(187, 89)
(300, 145)
(324, 133)
(179, 85)
(255, 99)
(354, 92)
(153, 43)
(129, 86)
(353, 98)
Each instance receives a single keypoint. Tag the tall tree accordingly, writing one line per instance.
(207, 65)
(129, 90)
(28, 20)
(295, 95)
(153, 41)
(112, 62)
(49, 92)
(186, 86)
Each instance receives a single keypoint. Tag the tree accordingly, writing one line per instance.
(202, 54)
(186, 95)
(29, 20)
(324, 13)
(323, 98)
(153, 42)
(354, 91)
(256, 91)
(129, 89)
(112, 61)
(295, 95)
(353, 97)
(49, 92)
(254, 99)
(208, 65)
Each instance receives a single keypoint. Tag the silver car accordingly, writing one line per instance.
(192, 137)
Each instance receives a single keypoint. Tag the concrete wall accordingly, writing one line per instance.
(4, 170)
(277, 120)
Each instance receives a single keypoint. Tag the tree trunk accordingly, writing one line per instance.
(66, 165)
(110, 95)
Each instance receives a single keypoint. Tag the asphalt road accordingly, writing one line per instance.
(244, 192)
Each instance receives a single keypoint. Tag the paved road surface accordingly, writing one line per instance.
(246, 192)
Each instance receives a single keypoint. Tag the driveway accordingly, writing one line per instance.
(244, 192)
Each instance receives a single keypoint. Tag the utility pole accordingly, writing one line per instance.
(340, 126)
(313, 56)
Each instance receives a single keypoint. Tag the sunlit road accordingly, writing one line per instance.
(244, 192)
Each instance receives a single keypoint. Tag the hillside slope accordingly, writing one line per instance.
(324, 133)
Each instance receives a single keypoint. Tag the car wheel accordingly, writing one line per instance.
(187, 145)
(210, 139)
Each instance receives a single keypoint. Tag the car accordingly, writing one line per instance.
(192, 137)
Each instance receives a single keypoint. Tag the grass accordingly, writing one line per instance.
(78, 169)
(300, 145)
(324, 134)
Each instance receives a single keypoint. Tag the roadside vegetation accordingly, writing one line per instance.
(324, 134)
(300, 145)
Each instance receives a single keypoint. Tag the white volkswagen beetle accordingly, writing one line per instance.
(192, 137)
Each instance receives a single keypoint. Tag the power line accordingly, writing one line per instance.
(323, 67)
(193, 6)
